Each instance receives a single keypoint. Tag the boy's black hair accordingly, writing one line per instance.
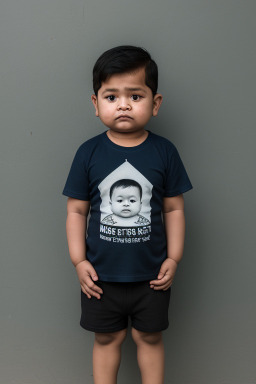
(122, 59)
(125, 183)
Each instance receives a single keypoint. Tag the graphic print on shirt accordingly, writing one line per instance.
(125, 206)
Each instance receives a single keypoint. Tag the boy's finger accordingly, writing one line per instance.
(161, 287)
(93, 293)
(160, 278)
(160, 281)
(90, 291)
(85, 292)
(91, 287)
(93, 274)
(95, 288)
(90, 284)
(161, 275)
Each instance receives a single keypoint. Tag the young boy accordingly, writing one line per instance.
(126, 271)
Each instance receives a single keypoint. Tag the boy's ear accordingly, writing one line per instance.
(157, 101)
(95, 103)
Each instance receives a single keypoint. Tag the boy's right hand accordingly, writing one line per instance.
(86, 275)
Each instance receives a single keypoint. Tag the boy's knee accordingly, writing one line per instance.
(111, 338)
(146, 337)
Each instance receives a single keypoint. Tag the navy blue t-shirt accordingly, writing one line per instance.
(126, 239)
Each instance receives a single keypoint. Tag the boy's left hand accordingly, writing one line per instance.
(165, 276)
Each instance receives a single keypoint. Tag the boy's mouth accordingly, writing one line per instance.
(123, 117)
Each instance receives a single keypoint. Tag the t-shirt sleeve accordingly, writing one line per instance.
(77, 185)
(177, 180)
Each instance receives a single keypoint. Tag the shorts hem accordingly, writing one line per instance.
(143, 329)
(102, 330)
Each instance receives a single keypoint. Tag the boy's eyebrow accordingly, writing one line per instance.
(126, 89)
(110, 90)
(135, 89)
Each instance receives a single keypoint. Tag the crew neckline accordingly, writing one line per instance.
(128, 149)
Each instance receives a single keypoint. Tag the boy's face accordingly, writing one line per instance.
(125, 202)
(125, 103)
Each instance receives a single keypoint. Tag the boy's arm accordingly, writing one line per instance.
(174, 220)
(76, 224)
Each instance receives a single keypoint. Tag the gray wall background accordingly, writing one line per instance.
(206, 56)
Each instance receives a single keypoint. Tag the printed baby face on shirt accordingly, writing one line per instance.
(126, 201)
(125, 195)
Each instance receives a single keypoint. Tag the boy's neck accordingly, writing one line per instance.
(126, 139)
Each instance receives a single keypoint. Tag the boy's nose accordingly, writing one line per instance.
(124, 105)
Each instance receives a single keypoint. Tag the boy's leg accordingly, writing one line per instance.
(107, 356)
(150, 355)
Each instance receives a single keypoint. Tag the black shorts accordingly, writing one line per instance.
(147, 308)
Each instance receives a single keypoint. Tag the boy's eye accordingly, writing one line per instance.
(135, 97)
(133, 201)
(111, 98)
(119, 200)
